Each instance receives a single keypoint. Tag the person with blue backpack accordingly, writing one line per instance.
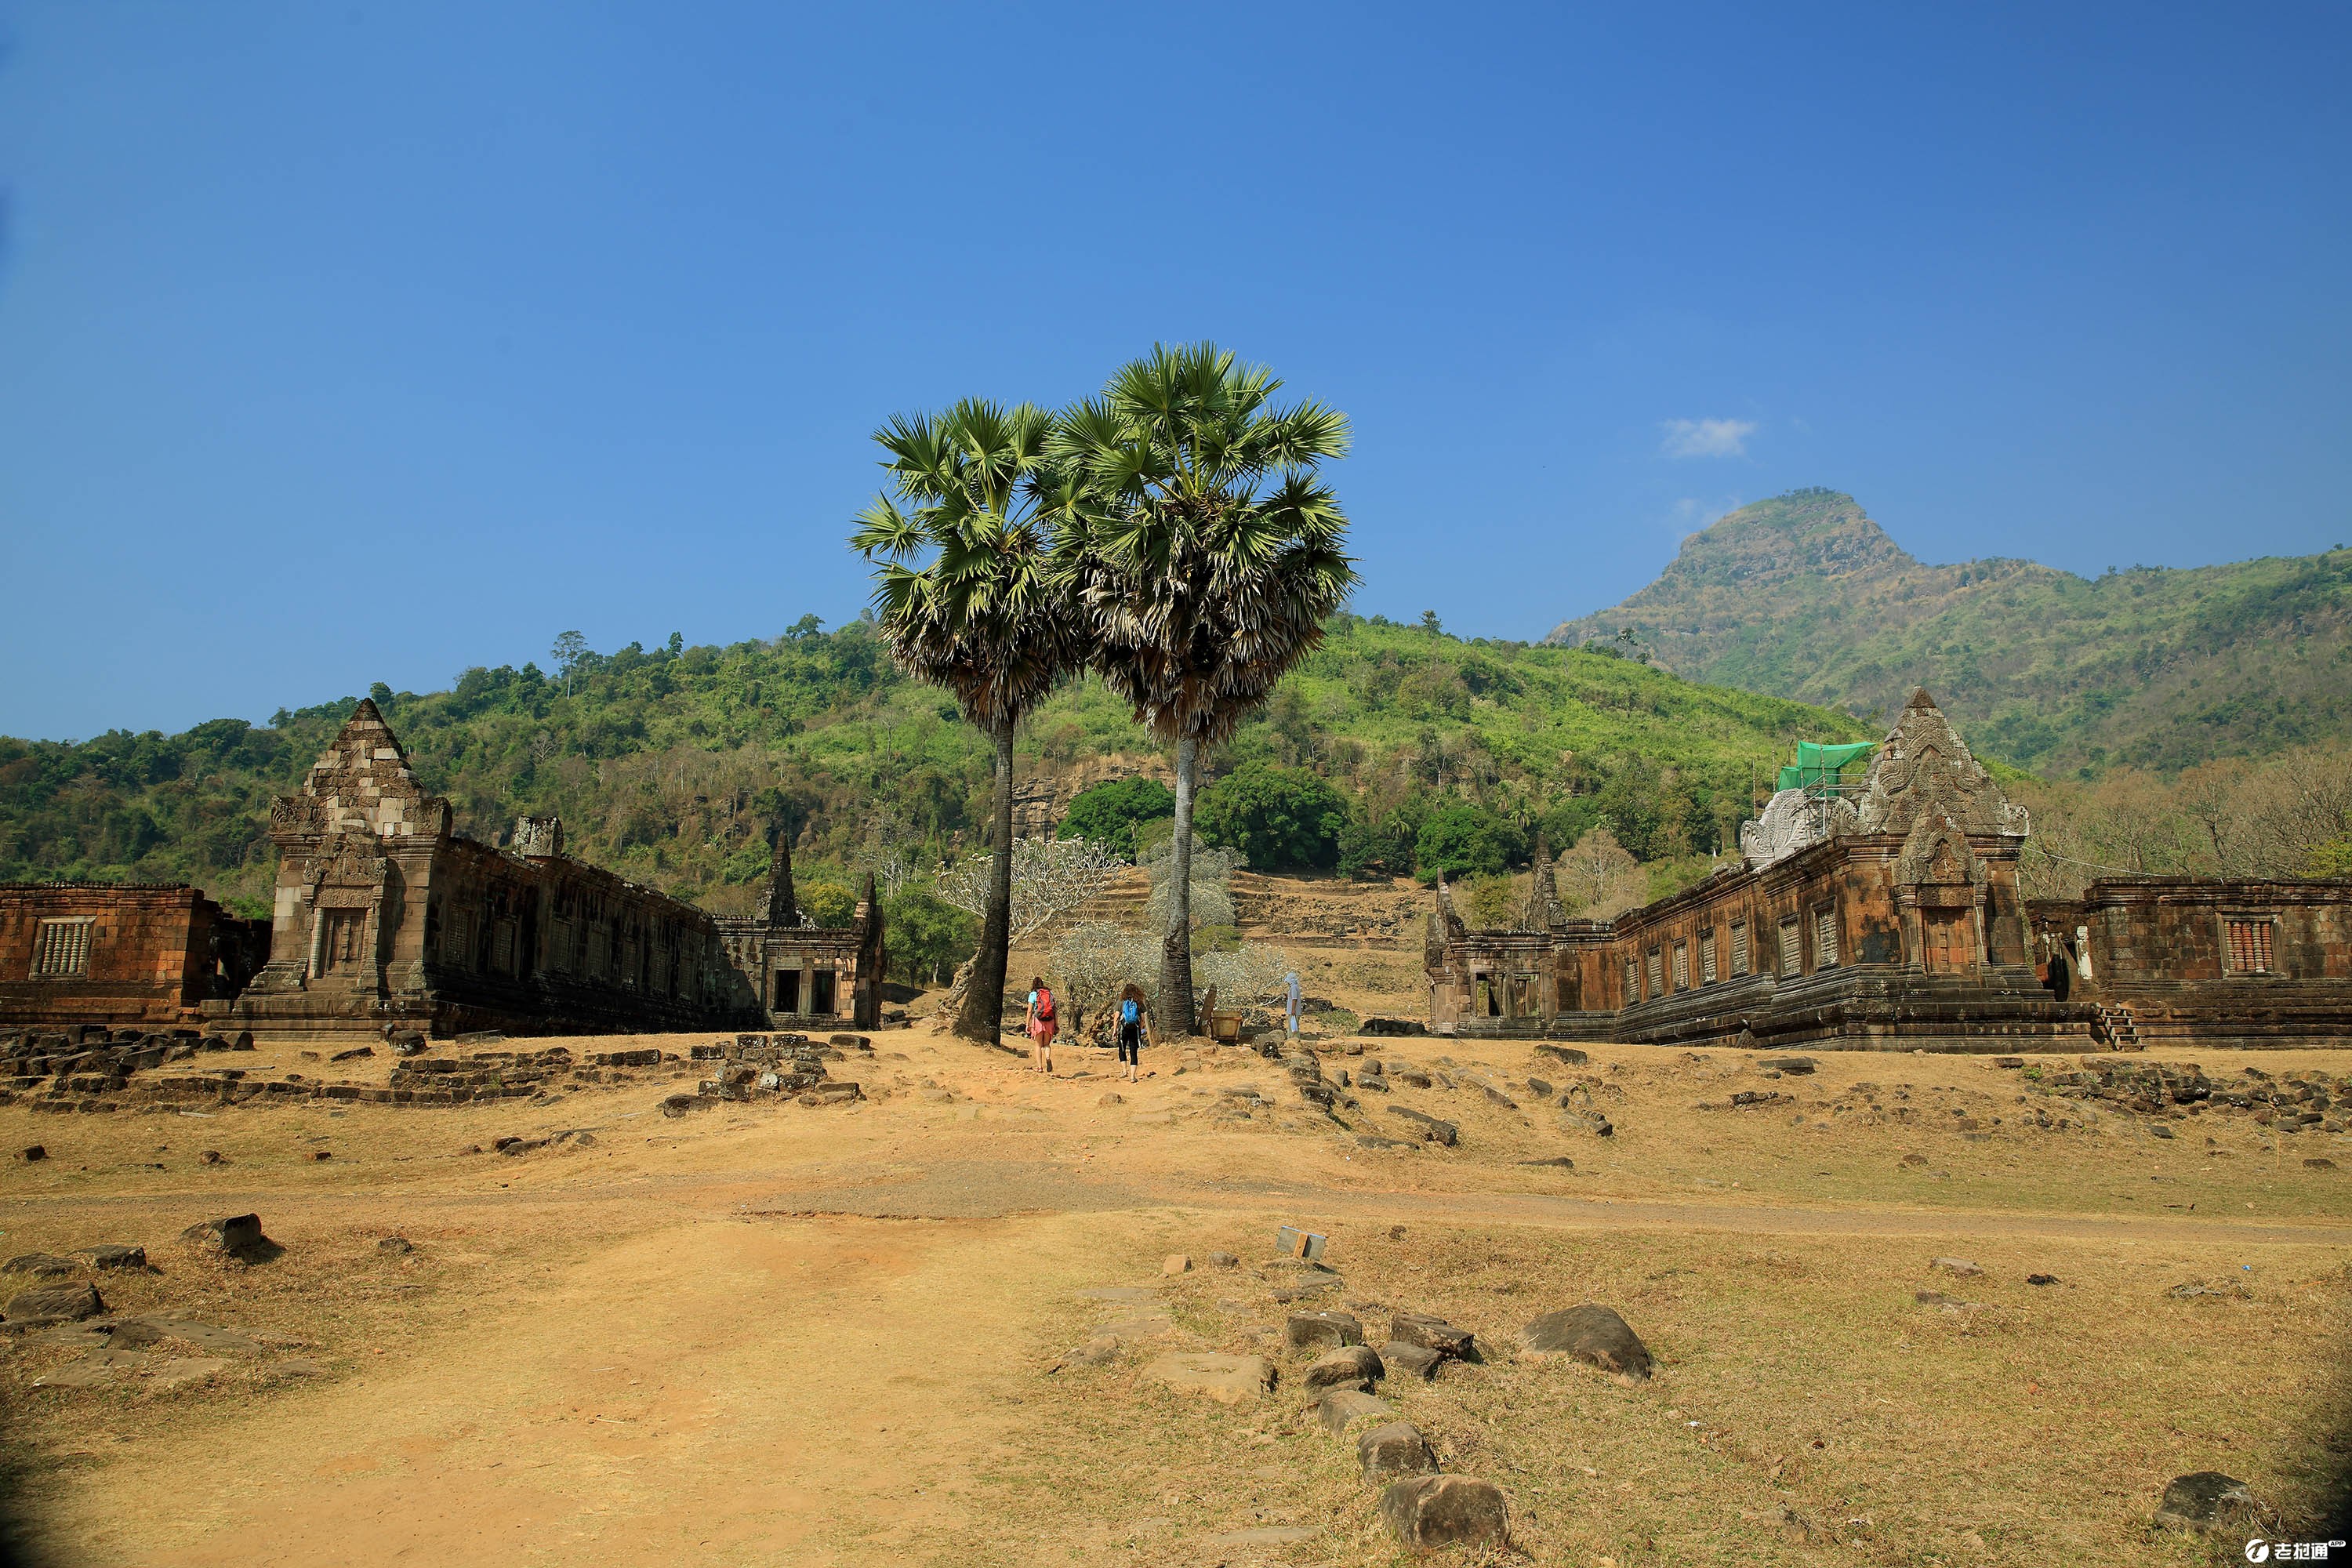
(1134, 1026)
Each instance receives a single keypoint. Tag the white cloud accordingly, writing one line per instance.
(1706, 438)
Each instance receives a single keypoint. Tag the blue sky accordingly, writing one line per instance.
(347, 341)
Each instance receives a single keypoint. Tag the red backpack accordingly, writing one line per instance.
(1044, 1005)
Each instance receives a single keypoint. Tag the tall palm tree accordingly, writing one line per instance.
(970, 594)
(1207, 554)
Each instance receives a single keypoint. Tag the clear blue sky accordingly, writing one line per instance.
(351, 340)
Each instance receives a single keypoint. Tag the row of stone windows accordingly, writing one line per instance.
(1792, 935)
(61, 949)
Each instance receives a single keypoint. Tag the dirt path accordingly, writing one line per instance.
(717, 1390)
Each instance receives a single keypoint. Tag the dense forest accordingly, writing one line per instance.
(1393, 749)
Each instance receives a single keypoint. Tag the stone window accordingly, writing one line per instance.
(458, 937)
(1657, 974)
(1632, 983)
(61, 949)
(1825, 942)
(502, 947)
(342, 937)
(1706, 956)
(1792, 957)
(2250, 946)
(1681, 966)
(1738, 948)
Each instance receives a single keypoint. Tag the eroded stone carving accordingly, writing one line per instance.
(1793, 820)
(1923, 768)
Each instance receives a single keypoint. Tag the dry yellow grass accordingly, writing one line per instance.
(776, 1335)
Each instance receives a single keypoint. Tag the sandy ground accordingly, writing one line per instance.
(777, 1334)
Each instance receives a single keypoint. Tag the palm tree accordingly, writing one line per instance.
(969, 593)
(1207, 555)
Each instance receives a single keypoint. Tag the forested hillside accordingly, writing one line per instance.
(1805, 597)
(674, 765)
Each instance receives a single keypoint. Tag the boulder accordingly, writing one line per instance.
(1430, 1332)
(1392, 1027)
(55, 1304)
(354, 1054)
(33, 1154)
(1342, 1406)
(1960, 1266)
(38, 1265)
(1567, 1056)
(2213, 1503)
(1591, 1334)
(233, 1236)
(1224, 1260)
(1227, 1379)
(1409, 1360)
(397, 1246)
(1326, 1330)
(1176, 1263)
(1423, 1511)
(114, 1255)
(1358, 1364)
(1795, 1067)
(1434, 1129)
(1395, 1448)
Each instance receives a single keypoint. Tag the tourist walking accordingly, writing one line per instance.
(1042, 1026)
(1134, 1027)
(1290, 1001)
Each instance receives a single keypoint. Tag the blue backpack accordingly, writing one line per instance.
(1126, 1011)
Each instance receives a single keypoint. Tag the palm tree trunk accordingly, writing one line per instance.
(983, 1002)
(1176, 945)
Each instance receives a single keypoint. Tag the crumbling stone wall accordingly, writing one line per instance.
(119, 952)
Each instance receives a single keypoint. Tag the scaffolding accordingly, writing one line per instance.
(1820, 772)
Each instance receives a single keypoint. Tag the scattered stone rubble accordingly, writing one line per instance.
(1330, 1359)
(88, 1068)
(2295, 1102)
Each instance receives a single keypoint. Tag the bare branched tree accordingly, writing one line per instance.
(1051, 878)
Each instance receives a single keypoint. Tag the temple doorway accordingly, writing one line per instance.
(1950, 941)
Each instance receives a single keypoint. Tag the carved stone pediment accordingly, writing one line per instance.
(1923, 770)
(348, 865)
(1793, 820)
(1937, 867)
(296, 813)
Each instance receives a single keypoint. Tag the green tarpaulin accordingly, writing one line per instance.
(1817, 765)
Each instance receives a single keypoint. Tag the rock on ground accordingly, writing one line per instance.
(38, 1265)
(1395, 1448)
(1413, 1361)
(1322, 1330)
(1430, 1332)
(114, 1255)
(1591, 1334)
(1228, 1379)
(1343, 1405)
(1423, 1511)
(1349, 1364)
(55, 1304)
(1960, 1266)
(234, 1235)
(2210, 1502)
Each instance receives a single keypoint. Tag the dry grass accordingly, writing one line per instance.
(682, 1340)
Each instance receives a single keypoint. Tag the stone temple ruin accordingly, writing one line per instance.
(386, 921)
(1894, 920)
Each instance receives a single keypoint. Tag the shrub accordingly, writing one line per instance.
(1462, 838)
(1279, 818)
(927, 936)
(1109, 812)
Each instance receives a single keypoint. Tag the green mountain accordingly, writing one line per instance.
(674, 767)
(1805, 597)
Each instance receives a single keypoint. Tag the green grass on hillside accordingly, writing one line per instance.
(671, 766)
